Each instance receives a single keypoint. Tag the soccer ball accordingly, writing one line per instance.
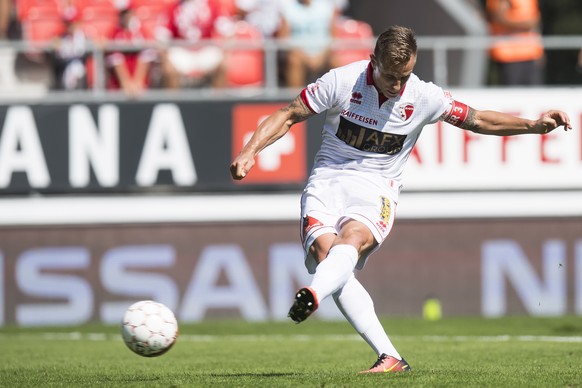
(149, 328)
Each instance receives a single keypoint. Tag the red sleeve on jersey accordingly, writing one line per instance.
(305, 100)
(458, 113)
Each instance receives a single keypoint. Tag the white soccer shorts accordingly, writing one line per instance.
(334, 196)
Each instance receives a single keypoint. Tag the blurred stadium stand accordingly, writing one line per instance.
(353, 30)
(244, 67)
(452, 38)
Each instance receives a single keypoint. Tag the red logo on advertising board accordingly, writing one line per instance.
(284, 161)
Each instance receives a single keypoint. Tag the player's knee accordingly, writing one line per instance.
(321, 246)
(319, 252)
(357, 235)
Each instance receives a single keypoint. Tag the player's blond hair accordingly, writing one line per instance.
(396, 46)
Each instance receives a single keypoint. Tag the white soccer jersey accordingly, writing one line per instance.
(363, 130)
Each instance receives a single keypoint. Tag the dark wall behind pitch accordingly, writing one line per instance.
(77, 274)
(425, 17)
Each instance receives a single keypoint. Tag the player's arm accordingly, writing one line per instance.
(269, 131)
(490, 122)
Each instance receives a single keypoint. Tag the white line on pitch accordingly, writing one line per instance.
(78, 336)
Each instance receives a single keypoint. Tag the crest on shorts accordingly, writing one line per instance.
(405, 111)
(385, 211)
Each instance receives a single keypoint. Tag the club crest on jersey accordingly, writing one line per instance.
(356, 98)
(406, 111)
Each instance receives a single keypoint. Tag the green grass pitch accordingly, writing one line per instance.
(453, 352)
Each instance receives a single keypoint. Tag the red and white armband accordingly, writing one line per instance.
(457, 114)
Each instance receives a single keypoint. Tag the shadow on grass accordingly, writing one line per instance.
(250, 374)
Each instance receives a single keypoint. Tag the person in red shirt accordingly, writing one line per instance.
(192, 22)
(129, 70)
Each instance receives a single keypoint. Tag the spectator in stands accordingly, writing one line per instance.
(9, 29)
(342, 5)
(308, 24)
(70, 54)
(193, 21)
(129, 70)
(5, 17)
(519, 62)
(263, 14)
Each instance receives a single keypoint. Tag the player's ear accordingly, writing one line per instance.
(373, 60)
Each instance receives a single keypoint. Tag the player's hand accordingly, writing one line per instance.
(551, 120)
(241, 166)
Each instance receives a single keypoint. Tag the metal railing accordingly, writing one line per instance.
(472, 63)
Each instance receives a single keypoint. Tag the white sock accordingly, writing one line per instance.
(357, 306)
(333, 272)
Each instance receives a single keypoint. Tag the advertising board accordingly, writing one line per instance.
(63, 275)
(146, 147)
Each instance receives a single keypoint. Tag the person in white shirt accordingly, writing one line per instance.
(263, 14)
(309, 27)
(375, 111)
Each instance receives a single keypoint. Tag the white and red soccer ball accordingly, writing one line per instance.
(149, 328)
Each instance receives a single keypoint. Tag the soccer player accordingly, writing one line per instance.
(375, 111)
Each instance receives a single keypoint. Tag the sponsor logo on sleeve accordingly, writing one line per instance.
(312, 88)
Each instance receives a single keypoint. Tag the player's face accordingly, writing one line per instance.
(391, 79)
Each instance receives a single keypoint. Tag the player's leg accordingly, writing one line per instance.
(361, 219)
(334, 269)
(357, 306)
(306, 301)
